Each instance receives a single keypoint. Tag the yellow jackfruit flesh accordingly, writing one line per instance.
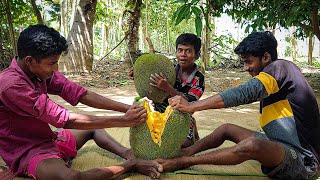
(156, 122)
(162, 134)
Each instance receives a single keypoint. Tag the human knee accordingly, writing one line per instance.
(55, 169)
(227, 129)
(248, 147)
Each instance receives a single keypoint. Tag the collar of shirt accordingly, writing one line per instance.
(190, 78)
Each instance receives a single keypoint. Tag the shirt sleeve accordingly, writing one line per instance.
(245, 93)
(68, 90)
(197, 88)
(23, 100)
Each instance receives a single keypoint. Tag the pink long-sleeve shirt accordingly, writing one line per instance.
(26, 112)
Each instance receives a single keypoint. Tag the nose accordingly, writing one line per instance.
(183, 53)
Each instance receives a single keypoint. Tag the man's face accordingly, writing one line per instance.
(253, 65)
(45, 68)
(186, 55)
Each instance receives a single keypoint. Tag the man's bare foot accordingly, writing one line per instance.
(170, 165)
(6, 174)
(148, 167)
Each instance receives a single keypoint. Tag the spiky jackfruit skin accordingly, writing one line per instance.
(146, 65)
(175, 133)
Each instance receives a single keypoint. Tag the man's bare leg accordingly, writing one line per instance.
(55, 169)
(267, 152)
(103, 140)
(224, 132)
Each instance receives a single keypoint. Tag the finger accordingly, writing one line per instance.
(153, 84)
(139, 107)
(153, 76)
(163, 76)
(157, 75)
(141, 114)
(132, 107)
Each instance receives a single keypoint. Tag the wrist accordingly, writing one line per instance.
(192, 107)
(129, 165)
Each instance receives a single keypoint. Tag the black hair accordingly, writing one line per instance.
(40, 41)
(257, 44)
(189, 39)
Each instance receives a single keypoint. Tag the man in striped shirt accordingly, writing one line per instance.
(189, 80)
(289, 147)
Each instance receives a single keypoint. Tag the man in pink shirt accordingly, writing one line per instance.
(27, 144)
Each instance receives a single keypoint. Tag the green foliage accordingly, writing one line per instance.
(287, 52)
(188, 9)
(315, 62)
(222, 49)
(258, 15)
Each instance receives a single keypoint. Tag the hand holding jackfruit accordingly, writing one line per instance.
(162, 134)
(146, 65)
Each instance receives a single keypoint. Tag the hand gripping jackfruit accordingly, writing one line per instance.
(146, 65)
(162, 134)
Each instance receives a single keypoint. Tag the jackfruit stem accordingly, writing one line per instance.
(151, 48)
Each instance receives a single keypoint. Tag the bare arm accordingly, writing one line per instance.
(213, 102)
(134, 116)
(97, 101)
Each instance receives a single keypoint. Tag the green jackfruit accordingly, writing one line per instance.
(146, 65)
(162, 134)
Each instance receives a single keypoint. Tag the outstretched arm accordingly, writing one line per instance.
(245, 93)
(213, 102)
(134, 116)
(95, 100)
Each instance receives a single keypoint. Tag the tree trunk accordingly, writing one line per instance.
(104, 44)
(168, 34)
(310, 48)
(133, 32)
(315, 19)
(63, 16)
(293, 43)
(36, 11)
(11, 30)
(73, 10)
(80, 39)
(205, 56)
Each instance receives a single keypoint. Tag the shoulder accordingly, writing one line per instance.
(199, 73)
(280, 64)
(10, 78)
(281, 68)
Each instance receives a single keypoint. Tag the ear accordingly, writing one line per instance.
(266, 59)
(28, 60)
